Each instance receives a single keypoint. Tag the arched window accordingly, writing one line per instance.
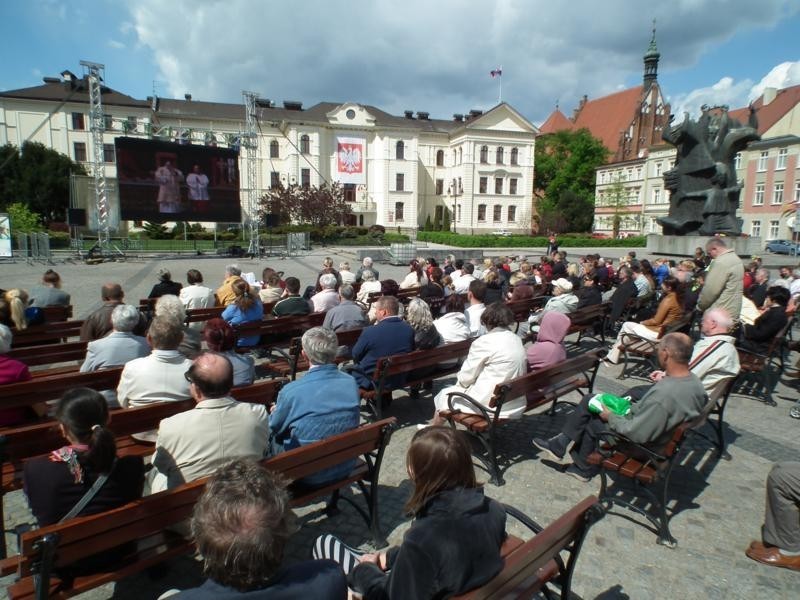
(484, 154)
(459, 156)
(273, 149)
(305, 144)
(440, 158)
(499, 155)
(400, 150)
(514, 156)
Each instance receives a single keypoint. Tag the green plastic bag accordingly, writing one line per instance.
(618, 406)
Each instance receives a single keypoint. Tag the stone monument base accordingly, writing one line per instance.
(685, 245)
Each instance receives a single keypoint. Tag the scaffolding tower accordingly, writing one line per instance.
(95, 74)
(250, 144)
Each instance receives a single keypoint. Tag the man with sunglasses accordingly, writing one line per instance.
(217, 430)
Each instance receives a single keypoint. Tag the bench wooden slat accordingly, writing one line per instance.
(42, 389)
(47, 333)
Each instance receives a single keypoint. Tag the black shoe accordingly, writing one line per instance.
(555, 447)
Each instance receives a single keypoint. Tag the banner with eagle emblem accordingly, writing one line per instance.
(350, 156)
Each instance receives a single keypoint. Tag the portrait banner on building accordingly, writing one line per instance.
(351, 160)
(5, 235)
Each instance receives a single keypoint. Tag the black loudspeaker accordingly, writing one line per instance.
(272, 220)
(76, 217)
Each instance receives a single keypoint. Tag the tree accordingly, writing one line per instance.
(428, 224)
(315, 205)
(446, 219)
(566, 162)
(156, 231)
(23, 220)
(38, 177)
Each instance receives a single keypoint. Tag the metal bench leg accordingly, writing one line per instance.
(664, 536)
(41, 580)
(768, 387)
(3, 551)
(332, 506)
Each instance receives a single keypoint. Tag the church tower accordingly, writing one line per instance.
(651, 61)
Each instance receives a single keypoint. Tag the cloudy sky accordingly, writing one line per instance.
(424, 55)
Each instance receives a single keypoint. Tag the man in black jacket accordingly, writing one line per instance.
(757, 337)
(624, 292)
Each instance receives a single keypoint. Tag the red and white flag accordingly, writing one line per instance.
(498, 72)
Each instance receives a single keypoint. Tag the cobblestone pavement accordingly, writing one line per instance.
(717, 506)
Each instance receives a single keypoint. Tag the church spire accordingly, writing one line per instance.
(651, 60)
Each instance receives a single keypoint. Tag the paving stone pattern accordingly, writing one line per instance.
(717, 506)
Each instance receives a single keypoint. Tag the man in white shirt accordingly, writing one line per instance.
(196, 295)
(328, 297)
(217, 430)
(475, 296)
(461, 284)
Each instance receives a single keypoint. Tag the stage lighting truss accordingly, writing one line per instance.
(249, 141)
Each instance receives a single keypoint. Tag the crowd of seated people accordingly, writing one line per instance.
(160, 367)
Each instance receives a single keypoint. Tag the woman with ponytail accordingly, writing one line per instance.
(56, 483)
(246, 307)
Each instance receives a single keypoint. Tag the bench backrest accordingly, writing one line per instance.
(520, 577)
(572, 373)
(84, 536)
(522, 308)
(46, 333)
(588, 315)
(264, 392)
(43, 389)
(49, 353)
(57, 313)
(398, 364)
(283, 328)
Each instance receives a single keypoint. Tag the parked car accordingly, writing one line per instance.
(502, 232)
(783, 247)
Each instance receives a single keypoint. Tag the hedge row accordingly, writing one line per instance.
(525, 241)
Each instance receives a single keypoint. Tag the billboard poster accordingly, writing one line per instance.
(5, 235)
(165, 181)
(351, 160)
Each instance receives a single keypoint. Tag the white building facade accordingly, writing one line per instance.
(479, 166)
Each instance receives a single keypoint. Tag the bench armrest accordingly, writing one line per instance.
(469, 400)
(523, 518)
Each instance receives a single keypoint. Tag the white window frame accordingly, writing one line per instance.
(755, 228)
(758, 195)
(774, 230)
(762, 160)
(780, 164)
(777, 193)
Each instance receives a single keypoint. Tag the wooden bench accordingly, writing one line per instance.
(758, 366)
(403, 296)
(196, 315)
(406, 364)
(146, 522)
(294, 362)
(47, 333)
(649, 465)
(636, 345)
(279, 331)
(538, 388)
(53, 314)
(49, 354)
(589, 321)
(528, 567)
(43, 389)
(21, 443)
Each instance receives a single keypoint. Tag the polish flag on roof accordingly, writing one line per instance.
(496, 72)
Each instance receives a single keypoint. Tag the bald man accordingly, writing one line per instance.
(217, 430)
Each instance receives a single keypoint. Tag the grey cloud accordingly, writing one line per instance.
(426, 55)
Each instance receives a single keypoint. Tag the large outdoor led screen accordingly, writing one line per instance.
(164, 181)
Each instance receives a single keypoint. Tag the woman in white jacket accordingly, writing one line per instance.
(452, 325)
(494, 357)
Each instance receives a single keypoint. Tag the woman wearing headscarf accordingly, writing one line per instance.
(549, 348)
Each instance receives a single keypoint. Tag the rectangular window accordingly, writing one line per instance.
(774, 230)
(80, 151)
(497, 215)
(108, 122)
(755, 229)
(274, 179)
(777, 194)
(130, 124)
(781, 162)
(439, 187)
(512, 186)
(460, 186)
(305, 178)
(458, 214)
(108, 153)
(483, 182)
(658, 169)
(498, 185)
(398, 211)
(512, 214)
(350, 192)
(78, 121)
(797, 192)
(762, 161)
(656, 195)
(399, 182)
(481, 213)
(758, 198)
(737, 161)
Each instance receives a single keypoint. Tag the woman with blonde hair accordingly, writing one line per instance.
(418, 315)
(452, 546)
(17, 301)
